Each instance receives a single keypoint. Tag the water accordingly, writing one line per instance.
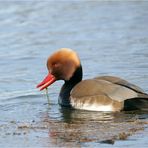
(111, 39)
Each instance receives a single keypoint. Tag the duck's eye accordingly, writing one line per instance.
(55, 64)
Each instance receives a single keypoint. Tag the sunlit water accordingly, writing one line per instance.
(111, 39)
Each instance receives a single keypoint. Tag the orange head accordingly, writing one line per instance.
(61, 66)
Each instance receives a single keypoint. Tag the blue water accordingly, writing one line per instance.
(111, 39)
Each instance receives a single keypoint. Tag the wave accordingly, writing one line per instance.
(15, 95)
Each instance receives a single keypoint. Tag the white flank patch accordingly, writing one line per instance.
(92, 107)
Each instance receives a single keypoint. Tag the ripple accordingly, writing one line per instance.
(16, 95)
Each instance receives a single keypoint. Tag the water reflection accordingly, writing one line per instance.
(77, 127)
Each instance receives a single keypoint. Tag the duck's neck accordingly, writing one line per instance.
(64, 99)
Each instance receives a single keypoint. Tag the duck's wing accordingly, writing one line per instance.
(95, 87)
(122, 82)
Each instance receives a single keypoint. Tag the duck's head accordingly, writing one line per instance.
(61, 66)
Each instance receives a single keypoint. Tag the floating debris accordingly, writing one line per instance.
(108, 141)
(123, 135)
(15, 133)
(25, 125)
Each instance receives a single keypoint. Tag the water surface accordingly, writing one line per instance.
(111, 39)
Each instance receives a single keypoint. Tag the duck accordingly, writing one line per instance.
(101, 93)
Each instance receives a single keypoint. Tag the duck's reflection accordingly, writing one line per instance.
(72, 116)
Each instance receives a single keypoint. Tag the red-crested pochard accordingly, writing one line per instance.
(104, 93)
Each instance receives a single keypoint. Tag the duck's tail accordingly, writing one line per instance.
(139, 103)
